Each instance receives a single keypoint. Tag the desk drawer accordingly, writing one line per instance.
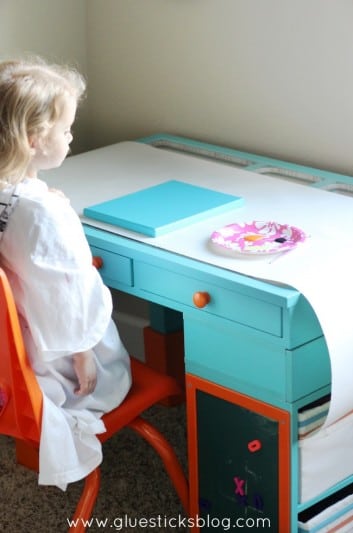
(116, 269)
(244, 360)
(226, 303)
(234, 357)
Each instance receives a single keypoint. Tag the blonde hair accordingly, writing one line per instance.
(31, 96)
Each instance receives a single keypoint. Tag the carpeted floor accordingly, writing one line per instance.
(136, 494)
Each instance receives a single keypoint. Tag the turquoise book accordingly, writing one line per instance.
(163, 208)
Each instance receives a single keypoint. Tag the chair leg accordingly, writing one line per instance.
(168, 456)
(86, 502)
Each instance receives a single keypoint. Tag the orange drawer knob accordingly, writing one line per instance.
(97, 262)
(201, 299)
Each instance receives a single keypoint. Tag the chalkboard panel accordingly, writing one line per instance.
(238, 466)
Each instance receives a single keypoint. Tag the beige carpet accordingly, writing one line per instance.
(136, 494)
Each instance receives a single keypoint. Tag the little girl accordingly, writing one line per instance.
(65, 310)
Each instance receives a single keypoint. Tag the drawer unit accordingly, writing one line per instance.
(116, 269)
(278, 312)
(237, 307)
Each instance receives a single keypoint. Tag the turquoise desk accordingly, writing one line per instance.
(255, 354)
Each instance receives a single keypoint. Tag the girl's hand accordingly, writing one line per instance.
(86, 372)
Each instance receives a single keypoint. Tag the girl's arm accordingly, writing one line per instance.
(86, 372)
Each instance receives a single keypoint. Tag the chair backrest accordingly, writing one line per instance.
(20, 395)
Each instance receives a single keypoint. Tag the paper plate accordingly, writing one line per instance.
(258, 237)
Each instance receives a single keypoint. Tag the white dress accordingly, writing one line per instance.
(64, 308)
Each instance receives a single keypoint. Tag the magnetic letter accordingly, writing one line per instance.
(239, 484)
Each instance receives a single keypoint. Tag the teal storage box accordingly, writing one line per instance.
(163, 208)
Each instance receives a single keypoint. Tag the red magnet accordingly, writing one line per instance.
(254, 445)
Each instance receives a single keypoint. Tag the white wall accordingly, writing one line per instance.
(267, 76)
(55, 29)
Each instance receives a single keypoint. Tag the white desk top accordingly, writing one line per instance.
(321, 268)
(126, 167)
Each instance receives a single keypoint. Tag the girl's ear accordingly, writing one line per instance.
(35, 144)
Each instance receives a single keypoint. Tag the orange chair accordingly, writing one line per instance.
(21, 408)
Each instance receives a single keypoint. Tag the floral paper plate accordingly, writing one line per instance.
(258, 237)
